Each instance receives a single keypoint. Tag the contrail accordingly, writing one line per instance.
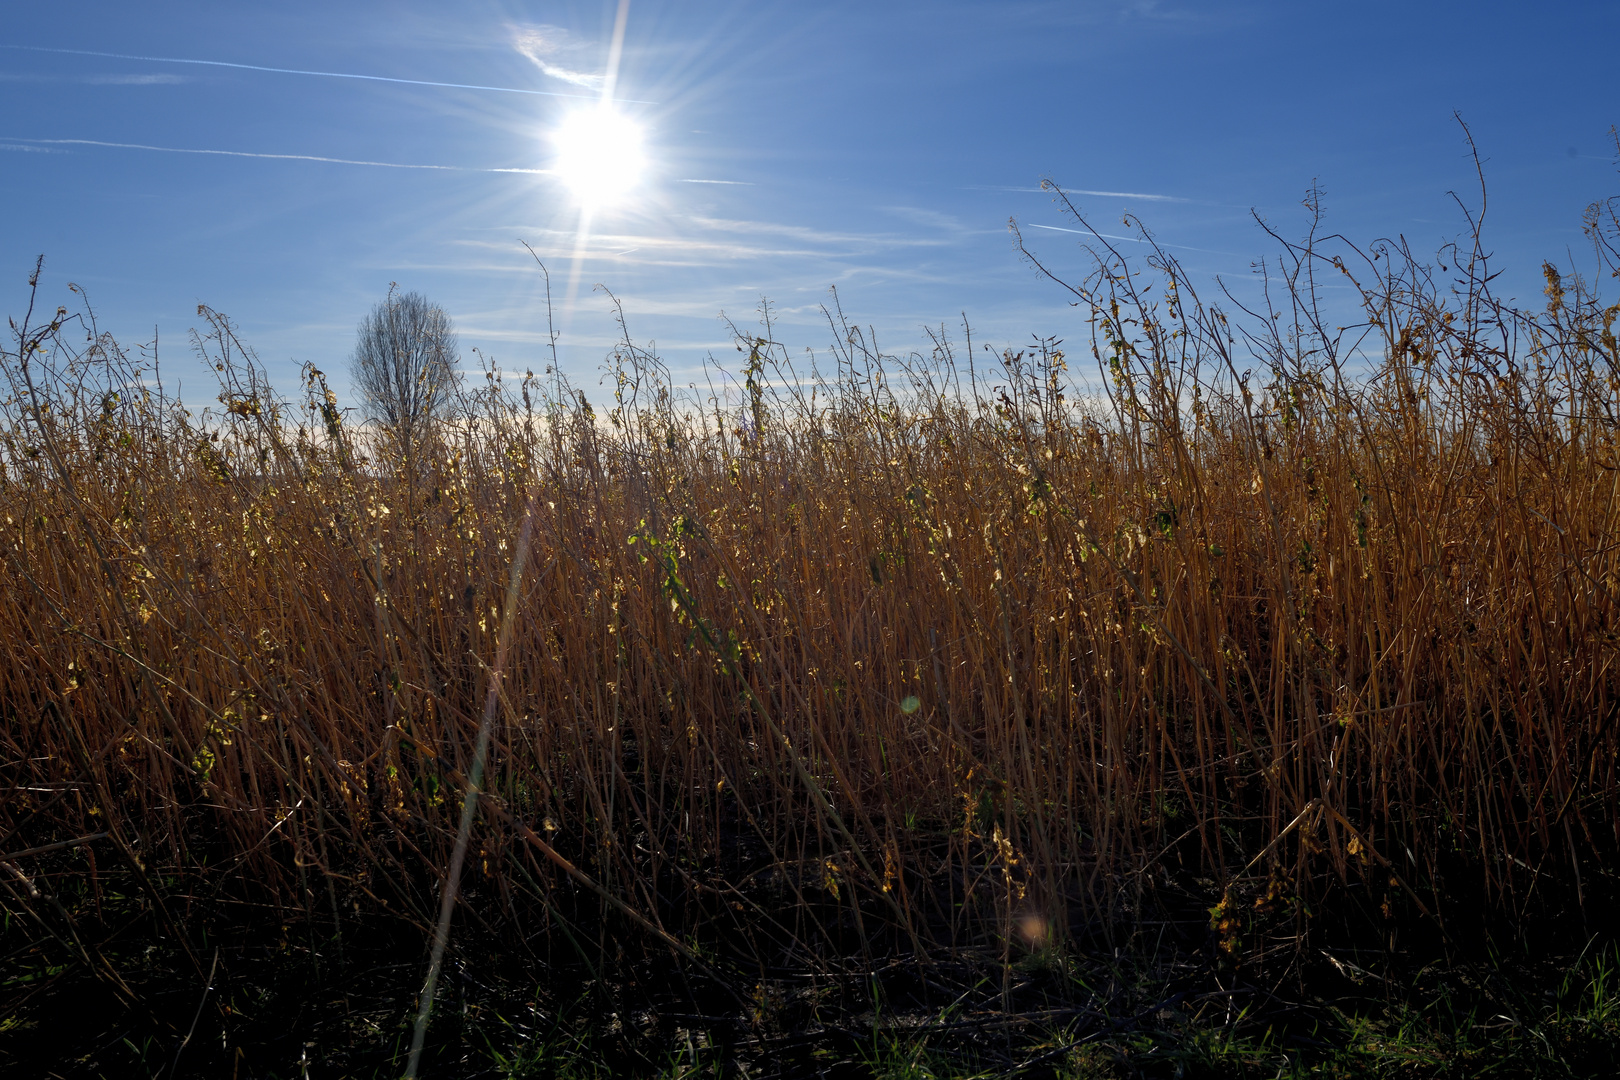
(1081, 191)
(280, 157)
(1086, 232)
(300, 71)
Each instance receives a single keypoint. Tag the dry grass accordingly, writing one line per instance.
(902, 653)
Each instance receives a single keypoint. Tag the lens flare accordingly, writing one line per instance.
(598, 155)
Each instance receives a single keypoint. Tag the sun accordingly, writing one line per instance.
(598, 155)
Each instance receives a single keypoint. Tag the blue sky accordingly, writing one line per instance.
(877, 147)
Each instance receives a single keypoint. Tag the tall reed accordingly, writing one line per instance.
(876, 653)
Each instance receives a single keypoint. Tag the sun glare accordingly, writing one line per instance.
(599, 155)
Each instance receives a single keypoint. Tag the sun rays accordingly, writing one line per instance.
(599, 157)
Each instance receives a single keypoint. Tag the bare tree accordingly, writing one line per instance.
(404, 363)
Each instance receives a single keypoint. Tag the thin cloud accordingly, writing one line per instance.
(1128, 239)
(283, 157)
(136, 80)
(814, 236)
(95, 80)
(655, 250)
(929, 218)
(735, 183)
(301, 71)
(1126, 195)
(541, 44)
(1086, 232)
(707, 248)
(1154, 11)
(1143, 195)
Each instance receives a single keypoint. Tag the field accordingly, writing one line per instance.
(1222, 690)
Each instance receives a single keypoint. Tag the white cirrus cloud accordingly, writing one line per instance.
(546, 47)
